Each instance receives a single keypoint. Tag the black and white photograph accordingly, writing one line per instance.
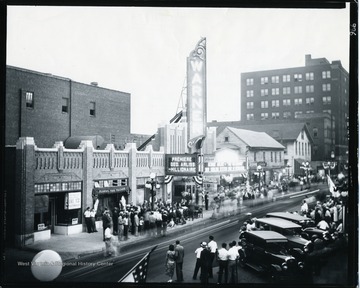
(188, 145)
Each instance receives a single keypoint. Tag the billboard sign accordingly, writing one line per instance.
(196, 92)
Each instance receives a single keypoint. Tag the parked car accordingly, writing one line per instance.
(308, 225)
(268, 252)
(290, 230)
(303, 221)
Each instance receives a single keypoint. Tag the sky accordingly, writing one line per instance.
(143, 50)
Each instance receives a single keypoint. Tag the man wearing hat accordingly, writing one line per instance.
(205, 258)
(198, 253)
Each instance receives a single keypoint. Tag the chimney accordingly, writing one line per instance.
(94, 83)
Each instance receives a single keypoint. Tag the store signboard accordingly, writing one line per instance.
(223, 167)
(72, 200)
(181, 164)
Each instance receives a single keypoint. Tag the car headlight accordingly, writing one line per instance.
(301, 265)
(284, 266)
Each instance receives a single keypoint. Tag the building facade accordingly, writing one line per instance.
(261, 153)
(51, 108)
(284, 95)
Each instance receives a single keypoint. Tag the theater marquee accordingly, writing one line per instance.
(181, 164)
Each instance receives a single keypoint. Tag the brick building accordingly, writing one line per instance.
(286, 95)
(51, 108)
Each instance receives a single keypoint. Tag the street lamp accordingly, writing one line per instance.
(288, 166)
(306, 167)
(330, 165)
(151, 184)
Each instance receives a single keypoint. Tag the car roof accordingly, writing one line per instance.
(268, 235)
(278, 222)
(287, 215)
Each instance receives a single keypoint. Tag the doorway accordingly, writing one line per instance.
(52, 213)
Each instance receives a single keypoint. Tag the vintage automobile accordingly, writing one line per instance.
(290, 230)
(308, 225)
(303, 221)
(268, 252)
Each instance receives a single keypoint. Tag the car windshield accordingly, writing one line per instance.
(277, 247)
(291, 231)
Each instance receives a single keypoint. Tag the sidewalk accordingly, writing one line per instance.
(78, 245)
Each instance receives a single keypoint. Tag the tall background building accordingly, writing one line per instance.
(317, 93)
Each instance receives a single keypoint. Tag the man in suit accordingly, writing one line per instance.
(179, 259)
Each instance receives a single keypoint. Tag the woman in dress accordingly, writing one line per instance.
(170, 262)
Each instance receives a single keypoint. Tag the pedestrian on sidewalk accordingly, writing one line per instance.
(197, 264)
(223, 259)
(121, 226)
(207, 201)
(136, 223)
(106, 221)
(164, 218)
(93, 220)
(141, 226)
(179, 259)
(109, 250)
(126, 226)
(87, 215)
(170, 262)
(233, 257)
(205, 263)
(152, 226)
(213, 249)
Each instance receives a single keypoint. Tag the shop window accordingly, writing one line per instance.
(65, 105)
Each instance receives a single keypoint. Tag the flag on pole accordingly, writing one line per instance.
(332, 187)
(138, 273)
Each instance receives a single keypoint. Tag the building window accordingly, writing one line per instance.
(264, 80)
(92, 108)
(298, 101)
(315, 132)
(275, 103)
(112, 138)
(271, 157)
(302, 135)
(310, 101)
(298, 89)
(286, 78)
(275, 156)
(286, 114)
(275, 115)
(264, 92)
(309, 111)
(226, 139)
(250, 116)
(280, 156)
(327, 111)
(297, 113)
(250, 105)
(275, 91)
(286, 102)
(326, 87)
(286, 90)
(65, 105)
(309, 76)
(264, 104)
(275, 79)
(326, 74)
(255, 156)
(249, 81)
(264, 116)
(297, 77)
(326, 100)
(29, 96)
(250, 93)
(309, 88)
(264, 156)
